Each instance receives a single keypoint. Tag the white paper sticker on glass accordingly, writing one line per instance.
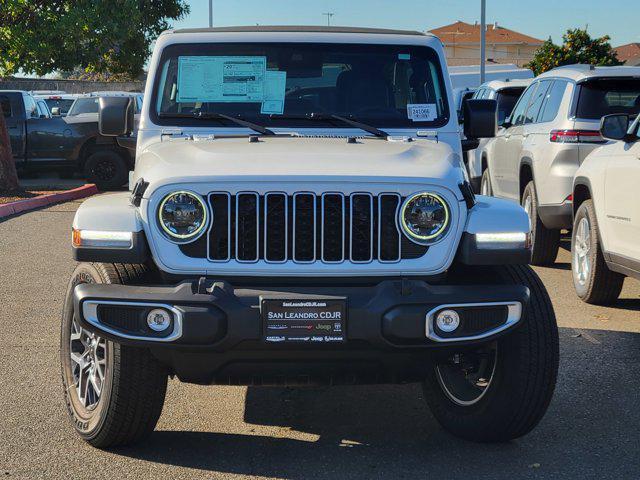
(221, 79)
(274, 89)
(422, 112)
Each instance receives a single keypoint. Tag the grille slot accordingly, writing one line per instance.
(247, 225)
(361, 234)
(304, 228)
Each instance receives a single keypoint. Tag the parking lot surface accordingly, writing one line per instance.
(590, 431)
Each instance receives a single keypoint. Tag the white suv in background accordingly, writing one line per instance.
(506, 93)
(605, 245)
(552, 129)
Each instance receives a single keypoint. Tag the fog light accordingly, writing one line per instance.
(448, 320)
(158, 320)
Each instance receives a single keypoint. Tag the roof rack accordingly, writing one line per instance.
(579, 66)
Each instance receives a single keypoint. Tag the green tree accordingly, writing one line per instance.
(577, 47)
(98, 36)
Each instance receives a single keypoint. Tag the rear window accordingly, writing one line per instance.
(62, 103)
(507, 99)
(84, 105)
(5, 105)
(601, 97)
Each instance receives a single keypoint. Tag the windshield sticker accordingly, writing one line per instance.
(274, 89)
(422, 112)
(221, 79)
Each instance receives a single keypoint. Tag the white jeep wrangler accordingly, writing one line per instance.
(300, 215)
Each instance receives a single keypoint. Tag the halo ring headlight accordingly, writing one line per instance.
(183, 216)
(425, 217)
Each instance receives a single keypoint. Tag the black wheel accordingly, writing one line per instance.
(107, 169)
(113, 393)
(500, 391)
(485, 184)
(592, 279)
(545, 241)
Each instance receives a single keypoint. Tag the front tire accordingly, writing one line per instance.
(593, 281)
(545, 241)
(114, 394)
(107, 169)
(510, 382)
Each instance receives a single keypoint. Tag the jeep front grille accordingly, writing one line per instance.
(304, 228)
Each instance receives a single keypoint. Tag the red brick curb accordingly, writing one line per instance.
(44, 200)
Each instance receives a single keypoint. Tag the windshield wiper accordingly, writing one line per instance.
(348, 120)
(219, 116)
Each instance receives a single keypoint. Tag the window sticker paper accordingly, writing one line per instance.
(422, 112)
(274, 90)
(221, 79)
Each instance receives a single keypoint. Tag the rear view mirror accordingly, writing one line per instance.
(480, 118)
(615, 127)
(115, 116)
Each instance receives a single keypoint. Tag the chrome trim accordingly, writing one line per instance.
(351, 227)
(514, 314)
(322, 228)
(257, 257)
(211, 228)
(286, 225)
(315, 227)
(90, 314)
(399, 197)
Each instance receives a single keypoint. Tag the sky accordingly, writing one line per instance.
(620, 19)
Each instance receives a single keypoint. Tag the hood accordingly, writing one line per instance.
(296, 158)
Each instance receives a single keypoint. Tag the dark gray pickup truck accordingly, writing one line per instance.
(65, 144)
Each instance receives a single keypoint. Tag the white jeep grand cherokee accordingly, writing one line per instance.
(300, 215)
(605, 244)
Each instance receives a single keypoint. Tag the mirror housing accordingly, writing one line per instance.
(616, 127)
(115, 116)
(480, 118)
(55, 111)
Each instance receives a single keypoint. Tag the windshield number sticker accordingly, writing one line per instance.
(422, 112)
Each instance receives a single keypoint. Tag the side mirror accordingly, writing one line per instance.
(55, 111)
(115, 116)
(615, 127)
(480, 118)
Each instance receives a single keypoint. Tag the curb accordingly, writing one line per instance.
(20, 206)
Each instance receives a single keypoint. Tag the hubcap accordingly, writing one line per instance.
(466, 378)
(527, 205)
(104, 170)
(88, 364)
(484, 186)
(581, 248)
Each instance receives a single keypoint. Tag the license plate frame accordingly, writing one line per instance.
(304, 320)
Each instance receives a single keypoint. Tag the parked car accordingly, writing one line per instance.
(279, 234)
(551, 130)
(85, 107)
(59, 104)
(605, 243)
(67, 145)
(506, 93)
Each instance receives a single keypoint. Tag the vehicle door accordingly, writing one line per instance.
(13, 111)
(505, 158)
(45, 136)
(530, 135)
(622, 202)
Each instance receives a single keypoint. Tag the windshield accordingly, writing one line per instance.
(601, 97)
(275, 84)
(84, 105)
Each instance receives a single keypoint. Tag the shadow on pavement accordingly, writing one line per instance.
(590, 431)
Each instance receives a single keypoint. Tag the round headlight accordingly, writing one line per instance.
(424, 217)
(182, 216)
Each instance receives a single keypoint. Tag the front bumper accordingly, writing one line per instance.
(217, 335)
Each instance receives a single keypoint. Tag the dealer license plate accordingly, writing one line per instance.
(304, 320)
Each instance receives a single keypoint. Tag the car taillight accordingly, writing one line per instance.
(576, 136)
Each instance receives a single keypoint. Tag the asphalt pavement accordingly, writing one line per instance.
(591, 431)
